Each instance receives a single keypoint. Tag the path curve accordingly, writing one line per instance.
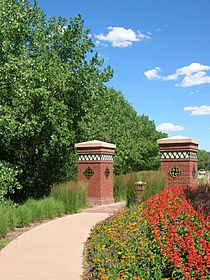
(53, 250)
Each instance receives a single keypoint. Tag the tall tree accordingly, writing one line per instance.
(49, 74)
(111, 118)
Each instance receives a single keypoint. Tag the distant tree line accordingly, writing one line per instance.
(52, 95)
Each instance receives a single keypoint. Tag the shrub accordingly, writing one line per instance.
(8, 179)
(200, 197)
(72, 194)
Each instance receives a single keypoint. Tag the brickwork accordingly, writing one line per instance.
(95, 169)
(179, 160)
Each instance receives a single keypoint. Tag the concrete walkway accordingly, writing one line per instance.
(53, 250)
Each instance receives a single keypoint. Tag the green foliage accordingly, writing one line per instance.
(72, 194)
(119, 188)
(66, 197)
(155, 182)
(203, 160)
(24, 215)
(3, 243)
(111, 118)
(51, 207)
(48, 78)
(44, 209)
(36, 208)
(124, 185)
(8, 219)
(8, 179)
(4, 227)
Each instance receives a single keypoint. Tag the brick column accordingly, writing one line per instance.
(179, 160)
(95, 169)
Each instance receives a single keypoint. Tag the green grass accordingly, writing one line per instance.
(3, 243)
(68, 197)
(155, 182)
(8, 220)
(124, 185)
(72, 194)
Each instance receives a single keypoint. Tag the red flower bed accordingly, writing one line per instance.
(180, 234)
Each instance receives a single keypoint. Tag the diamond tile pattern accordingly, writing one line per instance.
(174, 172)
(107, 172)
(88, 173)
(178, 154)
(95, 157)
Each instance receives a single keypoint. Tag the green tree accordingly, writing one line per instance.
(49, 74)
(203, 160)
(111, 118)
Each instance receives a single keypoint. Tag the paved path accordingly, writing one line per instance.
(53, 250)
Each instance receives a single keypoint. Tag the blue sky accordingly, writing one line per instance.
(160, 52)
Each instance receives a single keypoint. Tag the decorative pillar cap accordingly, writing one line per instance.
(176, 140)
(94, 144)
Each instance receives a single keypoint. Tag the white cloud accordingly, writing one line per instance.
(198, 110)
(198, 78)
(192, 68)
(194, 74)
(153, 74)
(121, 37)
(166, 127)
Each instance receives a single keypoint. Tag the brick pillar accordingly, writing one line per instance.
(179, 160)
(95, 169)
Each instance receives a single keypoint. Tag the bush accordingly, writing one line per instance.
(200, 198)
(72, 194)
(8, 179)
